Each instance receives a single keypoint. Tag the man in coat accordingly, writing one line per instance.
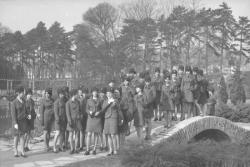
(19, 121)
(150, 95)
(60, 120)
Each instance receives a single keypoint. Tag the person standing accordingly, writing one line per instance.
(47, 116)
(140, 105)
(157, 81)
(150, 95)
(30, 107)
(204, 94)
(94, 122)
(60, 120)
(187, 87)
(19, 117)
(179, 78)
(166, 101)
(112, 116)
(82, 97)
(74, 125)
(176, 95)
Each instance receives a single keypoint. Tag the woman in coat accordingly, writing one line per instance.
(74, 125)
(19, 121)
(60, 120)
(47, 116)
(30, 109)
(94, 122)
(187, 86)
(112, 117)
(167, 101)
(140, 104)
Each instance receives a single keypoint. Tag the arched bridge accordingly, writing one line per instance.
(207, 126)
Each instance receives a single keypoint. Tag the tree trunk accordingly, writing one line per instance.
(206, 51)
(240, 51)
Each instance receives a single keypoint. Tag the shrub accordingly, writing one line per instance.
(206, 153)
(237, 91)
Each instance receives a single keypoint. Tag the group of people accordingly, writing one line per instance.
(107, 113)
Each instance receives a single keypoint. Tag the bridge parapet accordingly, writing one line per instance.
(186, 130)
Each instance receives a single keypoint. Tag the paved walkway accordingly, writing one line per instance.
(38, 157)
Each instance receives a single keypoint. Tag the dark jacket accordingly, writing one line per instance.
(167, 98)
(140, 104)
(112, 110)
(72, 110)
(18, 111)
(46, 110)
(30, 107)
(60, 110)
(150, 95)
(94, 106)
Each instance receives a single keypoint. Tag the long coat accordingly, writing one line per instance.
(157, 82)
(73, 115)
(47, 113)
(187, 87)
(140, 104)
(167, 98)
(150, 95)
(83, 112)
(127, 103)
(19, 116)
(176, 90)
(113, 117)
(94, 123)
(30, 108)
(60, 114)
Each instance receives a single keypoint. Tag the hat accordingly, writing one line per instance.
(29, 91)
(110, 89)
(73, 92)
(195, 69)
(188, 68)
(132, 71)
(165, 71)
(167, 76)
(65, 89)
(94, 89)
(200, 72)
(20, 89)
(126, 78)
(140, 85)
(85, 90)
(49, 91)
(181, 67)
(142, 75)
(103, 90)
(147, 78)
(174, 72)
(157, 69)
(60, 91)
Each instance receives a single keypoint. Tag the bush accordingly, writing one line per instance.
(239, 113)
(206, 153)
(237, 91)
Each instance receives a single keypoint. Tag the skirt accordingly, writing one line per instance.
(94, 125)
(157, 99)
(76, 125)
(61, 125)
(22, 127)
(111, 126)
(31, 124)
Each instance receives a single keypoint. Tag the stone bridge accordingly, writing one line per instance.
(209, 127)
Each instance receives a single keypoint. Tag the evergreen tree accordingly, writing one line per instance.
(237, 92)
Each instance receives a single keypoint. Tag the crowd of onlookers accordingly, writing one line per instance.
(103, 116)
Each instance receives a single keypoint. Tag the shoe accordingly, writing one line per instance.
(160, 119)
(86, 152)
(115, 152)
(147, 138)
(55, 151)
(81, 149)
(94, 152)
(71, 152)
(76, 151)
(16, 155)
(155, 119)
(23, 155)
(110, 153)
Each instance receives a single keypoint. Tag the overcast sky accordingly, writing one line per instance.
(25, 14)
